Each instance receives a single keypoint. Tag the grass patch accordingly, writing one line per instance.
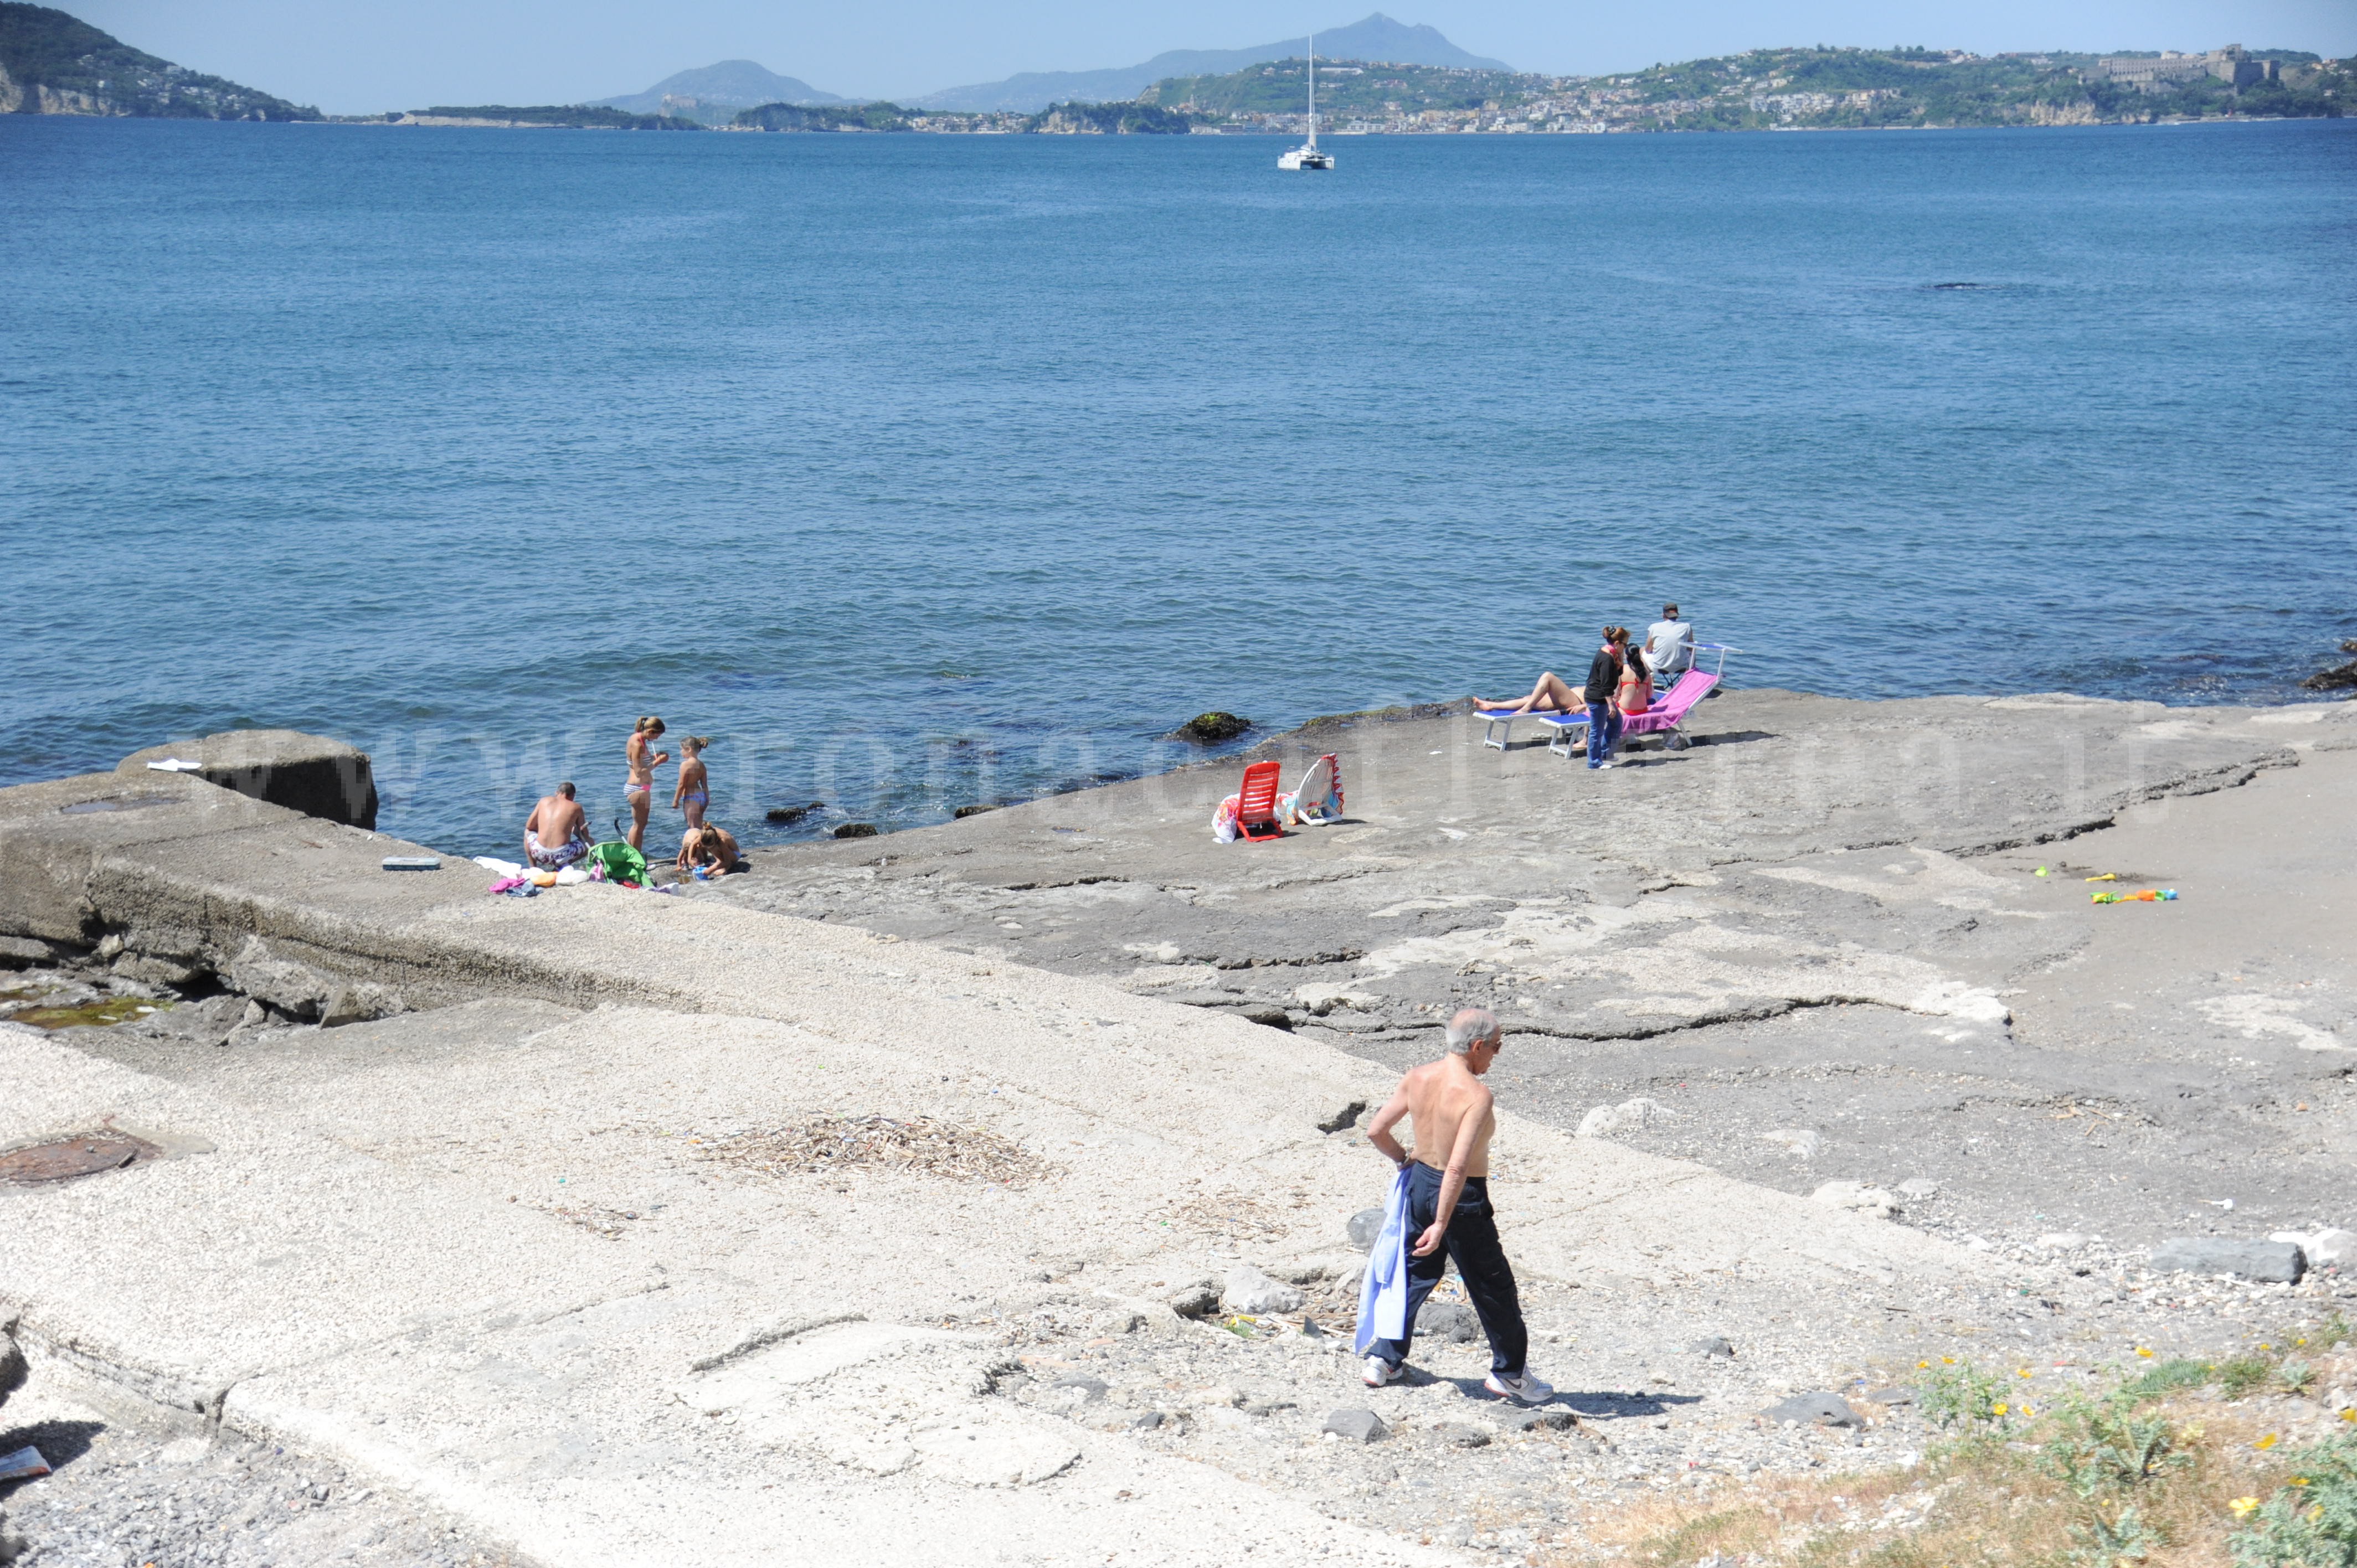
(2146, 1475)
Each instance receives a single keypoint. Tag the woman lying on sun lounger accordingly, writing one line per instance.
(1549, 696)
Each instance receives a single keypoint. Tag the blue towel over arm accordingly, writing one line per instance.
(1383, 1295)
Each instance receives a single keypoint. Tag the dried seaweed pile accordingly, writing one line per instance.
(918, 1145)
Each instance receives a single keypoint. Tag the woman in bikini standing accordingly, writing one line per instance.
(693, 793)
(639, 789)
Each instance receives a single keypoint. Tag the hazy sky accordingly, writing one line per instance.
(359, 56)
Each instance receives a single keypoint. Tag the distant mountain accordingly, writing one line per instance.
(1376, 38)
(714, 94)
(52, 63)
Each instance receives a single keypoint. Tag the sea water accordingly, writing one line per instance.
(922, 471)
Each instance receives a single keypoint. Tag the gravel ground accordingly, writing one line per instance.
(133, 1485)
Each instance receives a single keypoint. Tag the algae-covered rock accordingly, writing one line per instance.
(1210, 728)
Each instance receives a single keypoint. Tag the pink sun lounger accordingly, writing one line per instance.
(1663, 718)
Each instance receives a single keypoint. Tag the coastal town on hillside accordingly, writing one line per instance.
(1765, 90)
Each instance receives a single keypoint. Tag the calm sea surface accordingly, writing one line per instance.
(920, 470)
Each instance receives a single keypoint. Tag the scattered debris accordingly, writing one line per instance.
(919, 1144)
(1357, 1426)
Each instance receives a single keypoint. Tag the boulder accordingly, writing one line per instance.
(1249, 1290)
(1365, 1227)
(306, 773)
(1195, 1301)
(2273, 1263)
(1823, 1410)
(1357, 1426)
(1210, 728)
(856, 831)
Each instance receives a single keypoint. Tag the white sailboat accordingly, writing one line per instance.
(1306, 155)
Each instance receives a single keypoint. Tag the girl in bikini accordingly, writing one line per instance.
(693, 794)
(1636, 690)
(639, 789)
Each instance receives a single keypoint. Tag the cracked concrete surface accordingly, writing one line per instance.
(1832, 904)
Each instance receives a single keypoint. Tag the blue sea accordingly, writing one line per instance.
(923, 470)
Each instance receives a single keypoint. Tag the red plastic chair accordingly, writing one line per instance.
(1256, 805)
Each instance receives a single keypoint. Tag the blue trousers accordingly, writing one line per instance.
(1472, 1241)
(1603, 730)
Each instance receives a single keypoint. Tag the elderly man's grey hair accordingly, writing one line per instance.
(1473, 1023)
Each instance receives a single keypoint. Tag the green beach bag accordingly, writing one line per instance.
(619, 861)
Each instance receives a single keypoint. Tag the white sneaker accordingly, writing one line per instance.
(1379, 1371)
(1525, 1390)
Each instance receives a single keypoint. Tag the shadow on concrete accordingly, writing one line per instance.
(60, 1442)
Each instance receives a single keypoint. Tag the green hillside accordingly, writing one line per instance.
(57, 64)
(1344, 87)
(574, 117)
(832, 117)
(1764, 89)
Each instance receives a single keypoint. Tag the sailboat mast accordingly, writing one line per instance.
(1313, 90)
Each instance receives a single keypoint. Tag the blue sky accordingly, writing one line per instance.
(358, 56)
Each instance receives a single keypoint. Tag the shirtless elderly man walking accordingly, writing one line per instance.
(1449, 1208)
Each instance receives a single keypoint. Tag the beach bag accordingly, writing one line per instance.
(1223, 821)
(620, 862)
(1318, 799)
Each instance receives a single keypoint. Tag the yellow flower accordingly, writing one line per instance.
(2297, 1342)
(2299, 1481)
(2266, 1346)
(1920, 1365)
(2350, 1415)
(2022, 1371)
(2143, 1352)
(2027, 1411)
(2315, 1512)
(2267, 1441)
(2243, 1506)
(1947, 1361)
(1996, 1409)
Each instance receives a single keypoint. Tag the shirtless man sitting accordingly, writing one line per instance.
(1448, 1204)
(557, 832)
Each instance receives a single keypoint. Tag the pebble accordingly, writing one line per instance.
(1357, 1426)
(1717, 1345)
(1798, 1141)
(1365, 1227)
